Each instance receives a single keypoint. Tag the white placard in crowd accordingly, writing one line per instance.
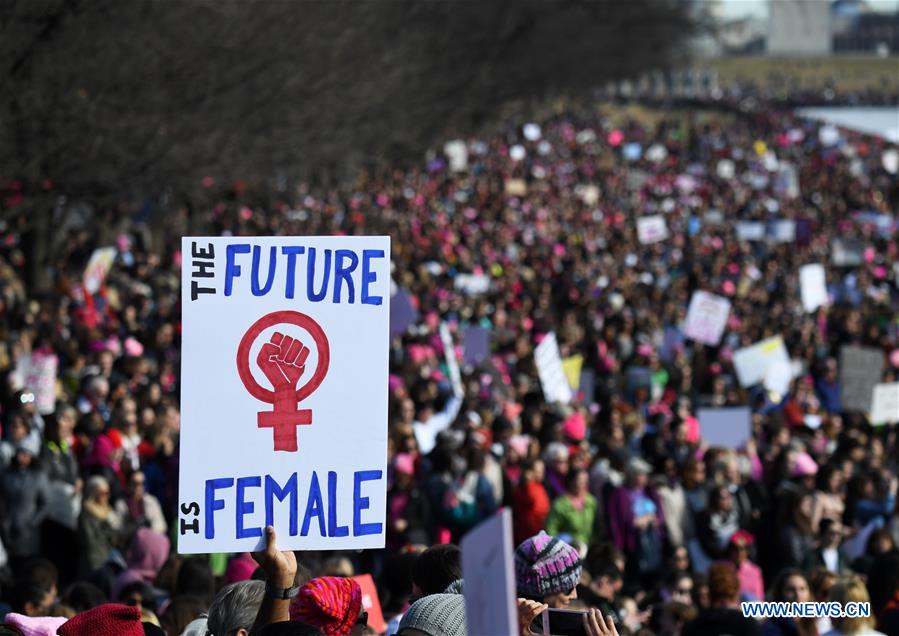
(97, 268)
(750, 231)
(885, 403)
(452, 361)
(36, 373)
(725, 427)
(812, 286)
(782, 231)
(549, 368)
(651, 229)
(488, 569)
(283, 392)
(861, 369)
(752, 363)
(706, 317)
(457, 152)
(472, 284)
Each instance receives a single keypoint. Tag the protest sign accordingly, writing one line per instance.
(750, 231)
(472, 284)
(725, 427)
(403, 313)
(549, 368)
(860, 371)
(651, 229)
(782, 231)
(476, 345)
(706, 318)
(452, 362)
(847, 252)
(812, 286)
(283, 392)
(36, 373)
(97, 268)
(457, 153)
(516, 187)
(752, 363)
(885, 404)
(371, 603)
(488, 569)
(572, 367)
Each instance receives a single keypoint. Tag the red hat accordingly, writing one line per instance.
(104, 620)
(742, 538)
(331, 603)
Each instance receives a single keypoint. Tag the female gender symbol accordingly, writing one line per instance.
(282, 359)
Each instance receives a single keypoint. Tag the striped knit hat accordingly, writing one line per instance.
(545, 565)
(331, 603)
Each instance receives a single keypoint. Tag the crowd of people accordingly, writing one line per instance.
(618, 503)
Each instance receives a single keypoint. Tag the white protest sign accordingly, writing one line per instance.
(812, 286)
(472, 284)
(750, 231)
(860, 371)
(752, 363)
(284, 392)
(706, 317)
(885, 404)
(457, 153)
(549, 368)
(36, 372)
(725, 169)
(97, 268)
(488, 569)
(725, 427)
(651, 229)
(782, 231)
(452, 362)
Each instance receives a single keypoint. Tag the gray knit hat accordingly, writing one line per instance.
(438, 614)
(546, 565)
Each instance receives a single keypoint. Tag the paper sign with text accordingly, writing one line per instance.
(283, 392)
(651, 229)
(97, 268)
(488, 569)
(552, 373)
(812, 286)
(706, 317)
(752, 363)
(885, 404)
(860, 370)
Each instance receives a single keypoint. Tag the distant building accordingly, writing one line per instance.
(858, 29)
(799, 27)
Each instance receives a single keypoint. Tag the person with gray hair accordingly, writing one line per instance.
(234, 609)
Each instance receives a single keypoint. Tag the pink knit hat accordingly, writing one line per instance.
(805, 466)
(35, 625)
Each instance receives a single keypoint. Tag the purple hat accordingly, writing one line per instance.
(546, 565)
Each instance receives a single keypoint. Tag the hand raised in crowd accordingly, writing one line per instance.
(280, 566)
(528, 610)
(596, 625)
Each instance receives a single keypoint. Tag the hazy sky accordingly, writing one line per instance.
(759, 8)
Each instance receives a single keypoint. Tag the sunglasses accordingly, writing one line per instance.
(363, 619)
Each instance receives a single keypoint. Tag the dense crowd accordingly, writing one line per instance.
(528, 231)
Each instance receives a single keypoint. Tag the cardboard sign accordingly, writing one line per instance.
(452, 361)
(371, 603)
(488, 568)
(549, 368)
(725, 427)
(284, 392)
(812, 286)
(885, 404)
(97, 268)
(651, 229)
(706, 318)
(860, 371)
(752, 363)
(572, 368)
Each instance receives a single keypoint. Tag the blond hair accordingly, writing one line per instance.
(850, 590)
